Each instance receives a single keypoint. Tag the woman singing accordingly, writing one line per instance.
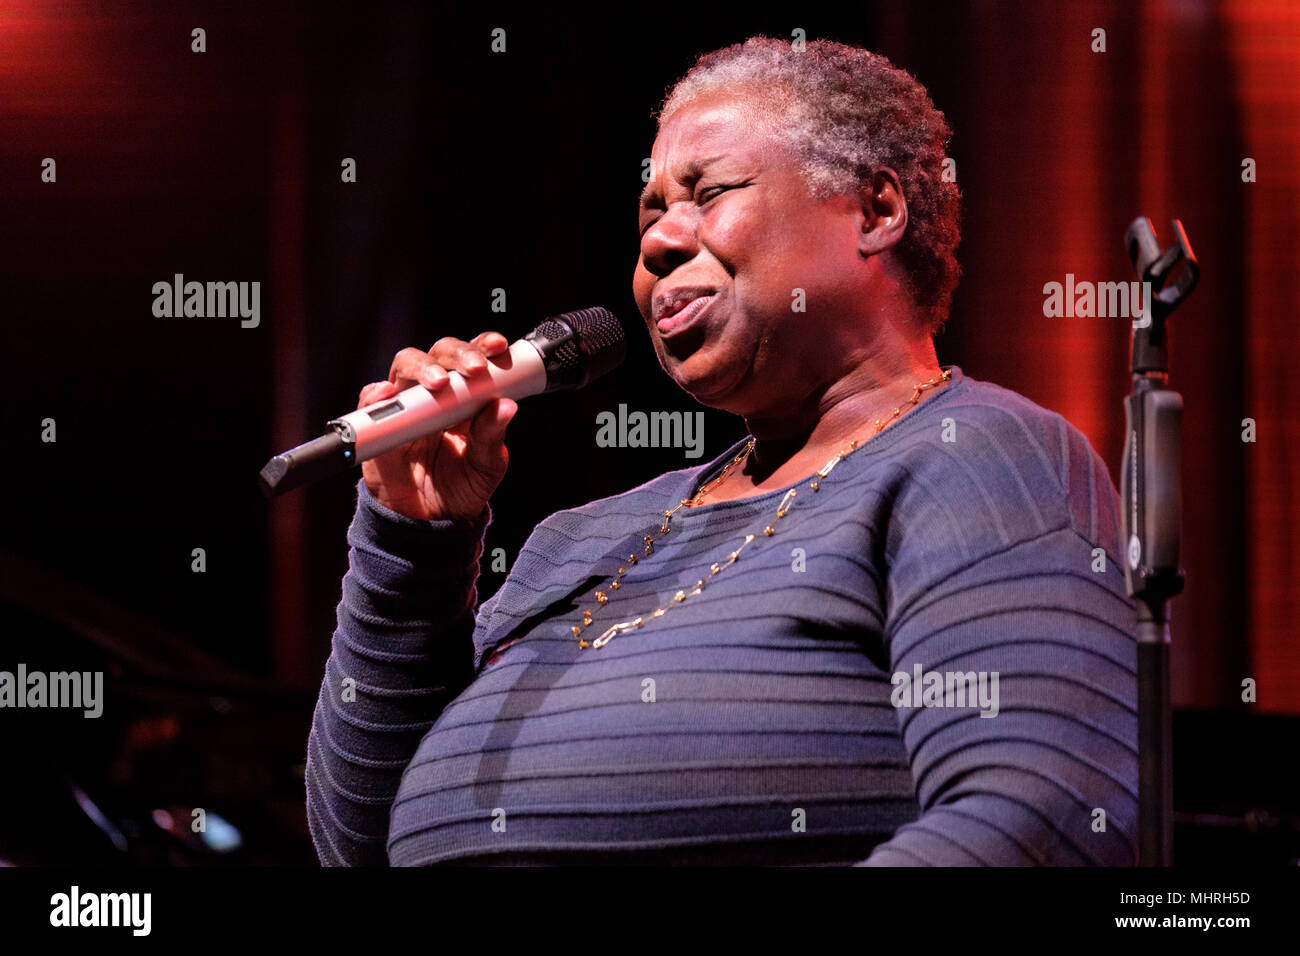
(887, 627)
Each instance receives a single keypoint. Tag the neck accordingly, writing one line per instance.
(838, 412)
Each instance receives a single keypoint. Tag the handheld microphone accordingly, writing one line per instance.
(564, 352)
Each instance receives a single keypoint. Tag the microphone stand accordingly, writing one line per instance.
(1151, 502)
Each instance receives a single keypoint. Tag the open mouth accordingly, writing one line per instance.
(681, 319)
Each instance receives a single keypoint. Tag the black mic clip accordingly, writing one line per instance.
(1150, 348)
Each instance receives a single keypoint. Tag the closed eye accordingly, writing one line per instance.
(702, 198)
(712, 192)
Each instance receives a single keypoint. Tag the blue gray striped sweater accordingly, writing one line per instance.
(765, 720)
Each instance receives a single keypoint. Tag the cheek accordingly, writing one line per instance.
(739, 234)
(761, 239)
(642, 284)
(810, 255)
(769, 269)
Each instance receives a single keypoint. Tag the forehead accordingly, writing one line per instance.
(711, 128)
(717, 122)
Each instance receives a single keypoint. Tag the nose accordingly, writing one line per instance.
(670, 242)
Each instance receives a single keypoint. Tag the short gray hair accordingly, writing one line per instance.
(846, 110)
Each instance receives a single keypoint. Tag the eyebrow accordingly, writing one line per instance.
(694, 170)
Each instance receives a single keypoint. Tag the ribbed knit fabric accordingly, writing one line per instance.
(752, 723)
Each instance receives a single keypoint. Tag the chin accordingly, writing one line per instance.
(705, 381)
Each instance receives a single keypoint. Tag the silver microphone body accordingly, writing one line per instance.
(565, 351)
(415, 412)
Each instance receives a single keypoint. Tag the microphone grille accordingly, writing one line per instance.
(562, 356)
(601, 341)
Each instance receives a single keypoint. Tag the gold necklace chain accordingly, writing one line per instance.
(716, 568)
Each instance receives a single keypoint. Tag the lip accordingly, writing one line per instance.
(676, 321)
(668, 301)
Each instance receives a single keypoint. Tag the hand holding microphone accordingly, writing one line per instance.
(450, 473)
(431, 439)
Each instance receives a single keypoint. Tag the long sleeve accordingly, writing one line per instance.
(1024, 785)
(402, 650)
(1049, 777)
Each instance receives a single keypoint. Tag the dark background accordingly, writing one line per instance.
(520, 171)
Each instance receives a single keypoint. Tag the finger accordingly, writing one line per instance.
(459, 355)
(487, 433)
(375, 392)
(446, 350)
(407, 365)
(413, 367)
(433, 376)
(472, 360)
(490, 343)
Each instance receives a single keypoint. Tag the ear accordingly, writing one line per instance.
(884, 212)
